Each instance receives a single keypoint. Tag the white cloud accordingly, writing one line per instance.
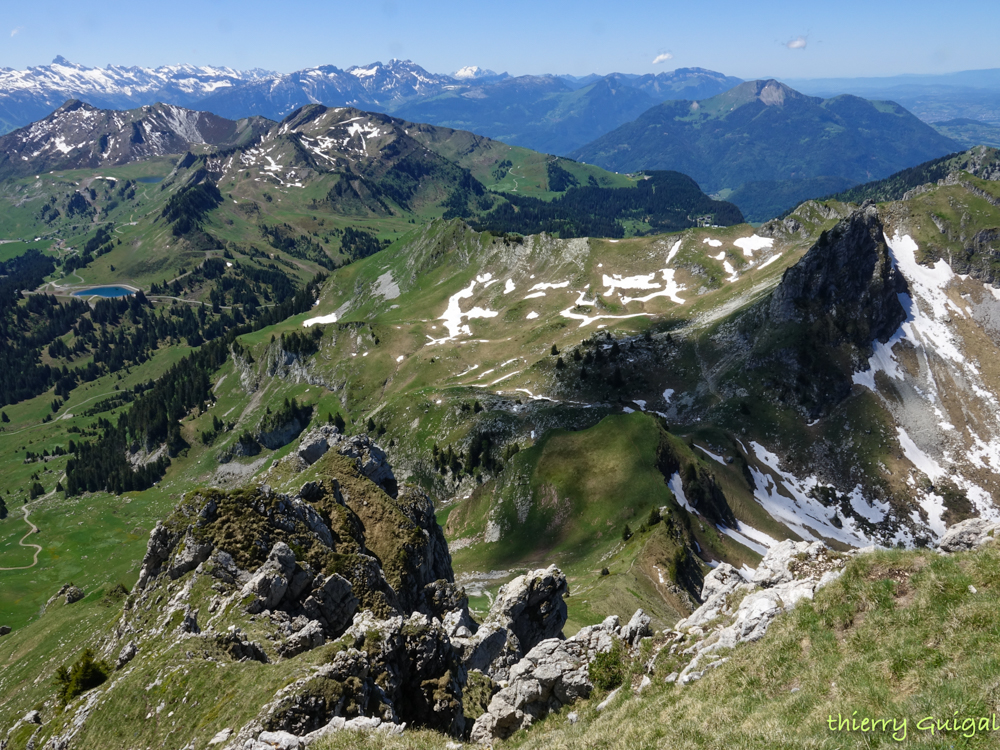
(15, 32)
(798, 42)
(662, 58)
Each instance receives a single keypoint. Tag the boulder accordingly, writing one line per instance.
(127, 654)
(636, 629)
(268, 585)
(313, 445)
(73, 594)
(969, 534)
(528, 610)
(310, 637)
(4, 630)
(551, 675)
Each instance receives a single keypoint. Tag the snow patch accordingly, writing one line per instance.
(321, 320)
(753, 242)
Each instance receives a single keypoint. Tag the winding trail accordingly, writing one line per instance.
(38, 547)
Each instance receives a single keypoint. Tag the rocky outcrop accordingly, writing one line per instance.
(69, 593)
(736, 610)
(847, 281)
(4, 630)
(526, 611)
(396, 670)
(370, 460)
(820, 323)
(553, 674)
(971, 533)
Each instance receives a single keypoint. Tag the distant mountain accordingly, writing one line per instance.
(968, 94)
(553, 115)
(29, 95)
(78, 136)
(475, 73)
(370, 87)
(765, 132)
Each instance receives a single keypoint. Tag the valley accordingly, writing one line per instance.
(430, 365)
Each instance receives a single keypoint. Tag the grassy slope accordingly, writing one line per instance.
(900, 636)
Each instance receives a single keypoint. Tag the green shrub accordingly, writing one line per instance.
(607, 670)
(84, 674)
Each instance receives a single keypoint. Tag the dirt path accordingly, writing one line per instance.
(38, 548)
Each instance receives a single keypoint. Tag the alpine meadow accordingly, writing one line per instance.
(361, 406)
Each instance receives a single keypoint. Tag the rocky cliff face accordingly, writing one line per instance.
(823, 318)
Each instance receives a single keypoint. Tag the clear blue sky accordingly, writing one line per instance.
(744, 38)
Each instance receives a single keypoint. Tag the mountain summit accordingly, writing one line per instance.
(767, 146)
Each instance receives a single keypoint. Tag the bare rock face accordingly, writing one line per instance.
(553, 674)
(528, 610)
(821, 321)
(368, 457)
(161, 544)
(971, 533)
(848, 279)
(742, 610)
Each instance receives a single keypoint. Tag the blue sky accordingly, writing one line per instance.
(746, 39)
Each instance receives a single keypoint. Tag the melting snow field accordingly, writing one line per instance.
(331, 318)
(749, 244)
(670, 291)
(711, 455)
(712, 243)
(673, 251)
(453, 316)
(677, 487)
(790, 503)
(748, 536)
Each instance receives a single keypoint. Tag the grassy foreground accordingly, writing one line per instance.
(908, 637)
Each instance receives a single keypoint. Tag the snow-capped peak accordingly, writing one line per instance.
(472, 71)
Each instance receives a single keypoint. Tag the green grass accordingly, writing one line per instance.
(901, 636)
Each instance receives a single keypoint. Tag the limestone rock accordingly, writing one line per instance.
(528, 610)
(553, 674)
(636, 629)
(742, 611)
(190, 554)
(235, 643)
(309, 637)
(73, 594)
(968, 534)
(158, 549)
(332, 602)
(269, 584)
(128, 652)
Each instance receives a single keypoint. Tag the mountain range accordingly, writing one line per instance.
(769, 147)
(545, 113)
(393, 408)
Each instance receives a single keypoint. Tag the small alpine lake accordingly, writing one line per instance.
(104, 291)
